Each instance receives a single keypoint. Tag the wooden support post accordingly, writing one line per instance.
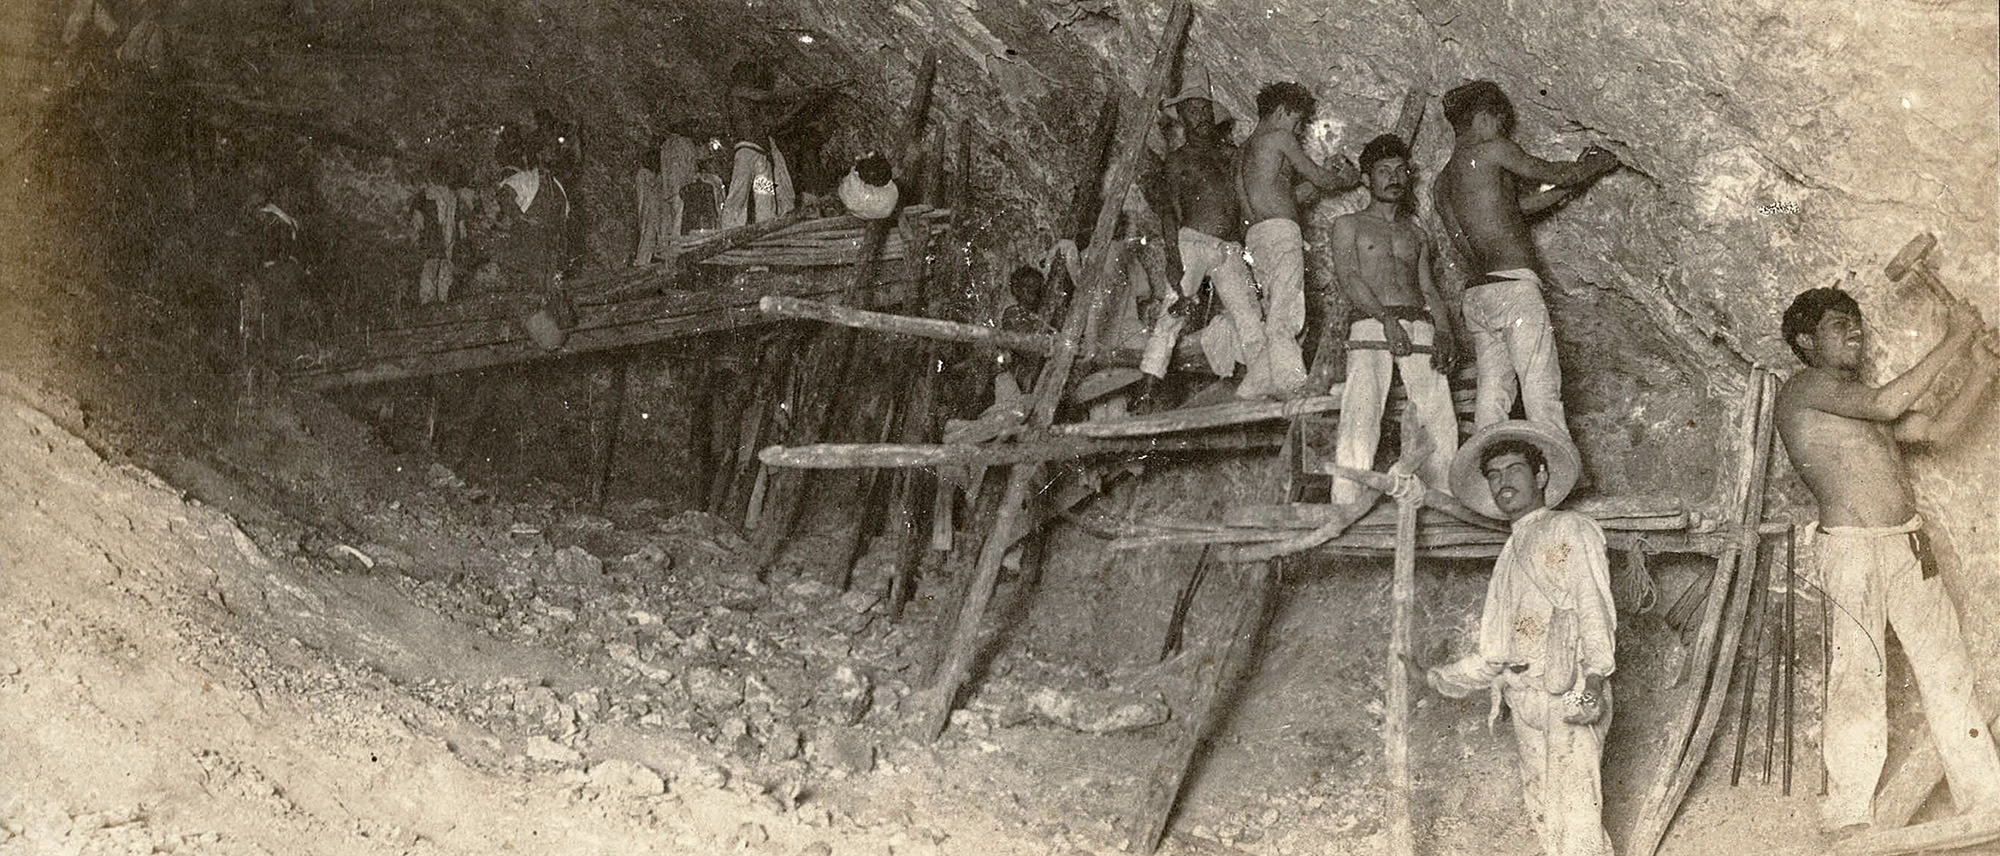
(1170, 644)
(786, 492)
(1696, 716)
(1396, 724)
(1163, 786)
(1197, 418)
(915, 490)
(935, 702)
(909, 157)
(1749, 658)
(608, 423)
(1780, 638)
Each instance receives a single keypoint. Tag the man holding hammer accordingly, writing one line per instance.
(1844, 437)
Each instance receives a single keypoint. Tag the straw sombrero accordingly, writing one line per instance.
(1468, 484)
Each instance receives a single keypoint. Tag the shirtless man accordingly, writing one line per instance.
(1210, 239)
(1485, 195)
(1266, 170)
(1383, 263)
(1843, 437)
(760, 187)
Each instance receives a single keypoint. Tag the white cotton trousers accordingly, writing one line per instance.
(1514, 345)
(1367, 389)
(1874, 579)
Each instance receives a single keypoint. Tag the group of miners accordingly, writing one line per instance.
(1546, 643)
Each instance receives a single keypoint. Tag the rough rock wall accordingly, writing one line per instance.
(1773, 147)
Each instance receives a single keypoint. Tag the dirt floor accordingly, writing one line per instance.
(301, 636)
(264, 630)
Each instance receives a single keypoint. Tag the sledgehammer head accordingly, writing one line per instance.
(1911, 257)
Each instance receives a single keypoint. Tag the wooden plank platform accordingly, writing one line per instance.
(485, 343)
(615, 309)
(1663, 525)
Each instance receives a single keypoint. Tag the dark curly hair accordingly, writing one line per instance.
(1383, 148)
(1806, 311)
(1464, 102)
(1514, 446)
(1285, 94)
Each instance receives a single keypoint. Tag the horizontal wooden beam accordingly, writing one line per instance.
(870, 455)
(489, 344)
(1197, 418)
(780, 306)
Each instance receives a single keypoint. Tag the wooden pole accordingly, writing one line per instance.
(1749, 659)
(610, 424)
(909, 157)
(913, 489)
(1790, 640)
(1197, 418)
(844, 456)
(779, 306)
(785, 494)
(1163, 786)
(1779, 638)
(1696, 717)
(935, 702)
(1396, 725)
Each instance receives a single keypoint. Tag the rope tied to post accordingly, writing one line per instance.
(1407, 488)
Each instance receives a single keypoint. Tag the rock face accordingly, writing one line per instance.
(1774, 146)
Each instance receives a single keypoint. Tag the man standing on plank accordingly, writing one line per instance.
(1485, 195)
(1269, 164)
(1211, 229)
(1383, 262)
(1844, 437)
(1547, 634)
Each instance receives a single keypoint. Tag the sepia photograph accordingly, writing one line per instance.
(1011, 427)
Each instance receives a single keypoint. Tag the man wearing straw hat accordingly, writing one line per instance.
(1546, 635)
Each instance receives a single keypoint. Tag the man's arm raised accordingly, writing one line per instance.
(1509, 155)
(1890, 401)
(1921, 427)
(1344, 176)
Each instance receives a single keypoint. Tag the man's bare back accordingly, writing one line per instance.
(1479, 202)
(1271, 163)
(1201, 175)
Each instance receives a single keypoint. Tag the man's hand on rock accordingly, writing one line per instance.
(1600, 159)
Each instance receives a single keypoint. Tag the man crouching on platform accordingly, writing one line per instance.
(1875, 559)
(1383, 263)
(1547, 633)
